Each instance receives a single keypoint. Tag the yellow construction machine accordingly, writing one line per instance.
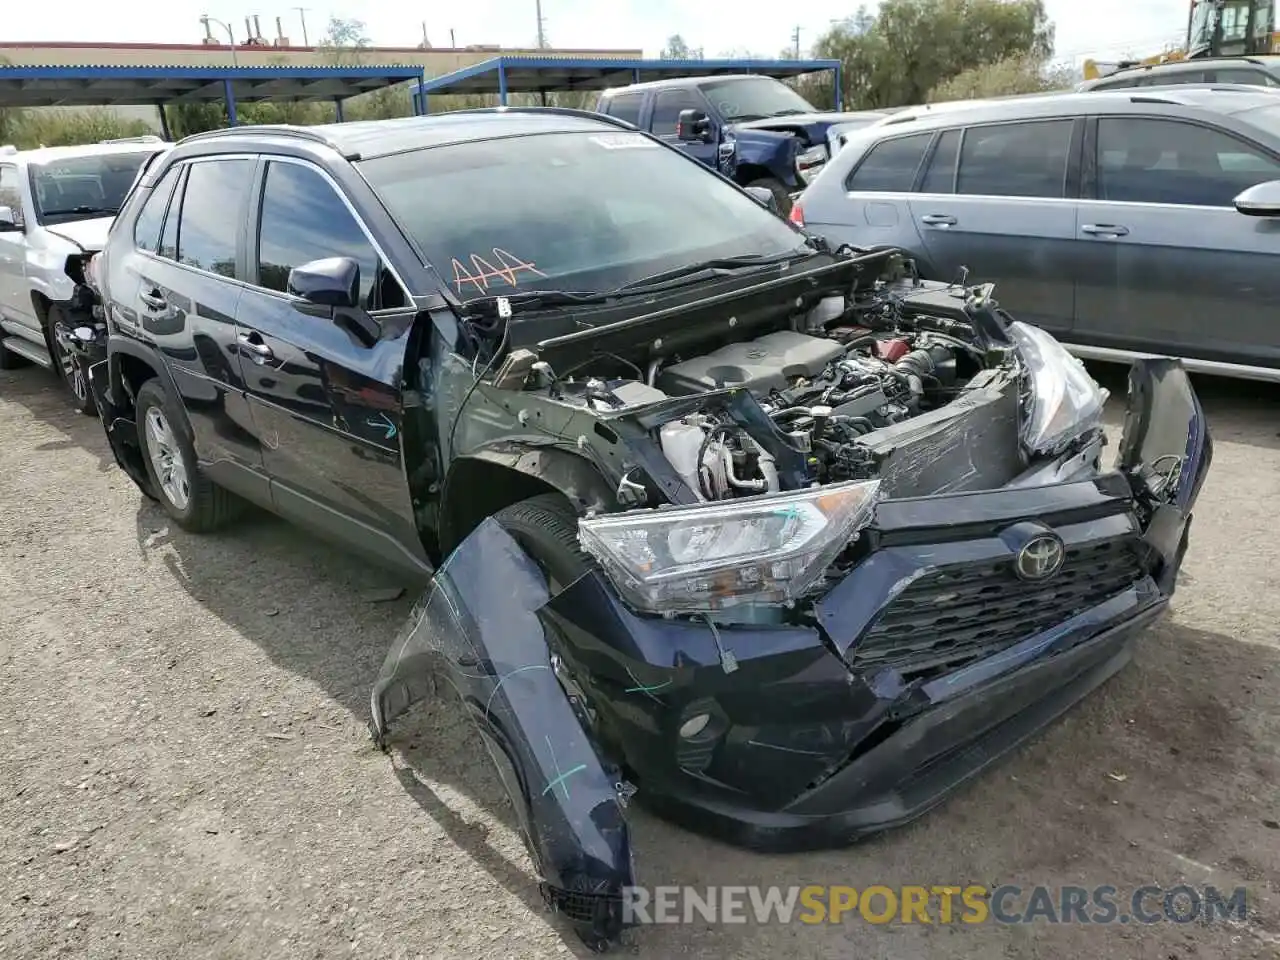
(1215, 28)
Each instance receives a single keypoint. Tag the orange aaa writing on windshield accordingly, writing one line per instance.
(483, 272)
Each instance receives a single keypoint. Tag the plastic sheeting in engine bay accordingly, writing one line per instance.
(970, 444)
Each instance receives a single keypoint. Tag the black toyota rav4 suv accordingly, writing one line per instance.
(773, 535)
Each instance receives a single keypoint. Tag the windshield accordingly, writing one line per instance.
(575, 212)
(81, 188)
(755, 98)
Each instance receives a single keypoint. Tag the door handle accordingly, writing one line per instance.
(154, 299)
(258, 351)
(939, 220)
(1105, 230)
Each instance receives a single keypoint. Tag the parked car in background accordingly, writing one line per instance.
(1262, 71)
(785, 539)
(56, 206)
(1126, 223)
(755, 130)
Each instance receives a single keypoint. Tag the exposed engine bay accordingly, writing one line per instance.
(910, 382)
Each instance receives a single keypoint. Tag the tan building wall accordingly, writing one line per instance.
(434, 62)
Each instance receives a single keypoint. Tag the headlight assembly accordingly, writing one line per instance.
(697, 559)
(810, 161)
(1066, 402)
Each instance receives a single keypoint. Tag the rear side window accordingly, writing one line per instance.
(1166, 161)
(1256, 78)
(146, 229)
(1015, 159)
(210, 220)
(304, 219)
(625, 106)
(891, 165)
(940, 177)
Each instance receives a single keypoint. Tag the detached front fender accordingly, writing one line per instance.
(479, 626)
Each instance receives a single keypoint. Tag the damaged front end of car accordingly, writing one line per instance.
(859, 552)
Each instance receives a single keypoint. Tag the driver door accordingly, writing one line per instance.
(664, 117)
(326, 396)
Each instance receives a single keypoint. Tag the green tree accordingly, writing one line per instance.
(344, 42)
(904, 50)
(1004, 78)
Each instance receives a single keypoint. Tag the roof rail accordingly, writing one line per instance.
(261, 129)
(1148, 98)
(145, 138)
(561, 111)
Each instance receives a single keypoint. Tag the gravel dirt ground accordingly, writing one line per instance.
(185, 769)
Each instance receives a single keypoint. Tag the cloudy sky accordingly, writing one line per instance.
(1108, 29)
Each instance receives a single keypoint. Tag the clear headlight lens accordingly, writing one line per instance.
(707, 557)
(810, 162)
(1065, 401)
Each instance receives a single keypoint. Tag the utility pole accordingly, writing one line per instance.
(542, 39)
(795, 39)
(302, 15)
(453, 42)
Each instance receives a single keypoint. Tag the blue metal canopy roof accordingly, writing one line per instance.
(82, 86)
(503, 75)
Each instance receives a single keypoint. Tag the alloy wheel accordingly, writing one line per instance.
(167, 460)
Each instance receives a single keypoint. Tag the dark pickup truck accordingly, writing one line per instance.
(755, 130)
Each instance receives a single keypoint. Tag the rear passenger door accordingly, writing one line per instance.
(1166, 262)
(187, 290)
(999, 199)
(325, 394)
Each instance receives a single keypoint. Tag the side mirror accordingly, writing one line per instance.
(8, 222)
(693, 126)
(1260, 200)
(331, 282)
(765, 197)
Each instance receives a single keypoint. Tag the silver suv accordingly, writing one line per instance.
(1129, 223)
(56, 206)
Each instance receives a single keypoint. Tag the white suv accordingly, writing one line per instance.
(56, 206)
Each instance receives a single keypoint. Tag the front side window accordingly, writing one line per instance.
(666, 110)
(567, 211)
(303, 219)
(626, 106)
(146, 229)
(1165, 161)
(754, 98)
(1015, 159)
(210, 219)
(891, 165)
(82, 188)
(10, 195)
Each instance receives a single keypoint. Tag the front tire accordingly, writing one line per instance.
(192, 500)
(546, 527)
(66, 366)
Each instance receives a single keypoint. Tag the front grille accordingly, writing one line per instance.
(964, 612)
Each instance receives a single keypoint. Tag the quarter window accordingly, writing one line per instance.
(626, 106)
(1165, 161)
(1015, 159)
(891, 165)
(211, 212)
(146, 229)
(303, 219)
(666, 110)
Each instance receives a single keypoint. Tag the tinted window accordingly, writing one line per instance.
(891, 165)
(146, 229)
(9, 195)
(169, 236)
(303, 219)
(1164, 161)
(562, 211)
(1255, 77)
(666, 110)
(211, 206)
(626, 107)
(78, 188)
(940, 177)
(1015, 159)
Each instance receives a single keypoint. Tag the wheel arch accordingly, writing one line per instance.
(481, 483)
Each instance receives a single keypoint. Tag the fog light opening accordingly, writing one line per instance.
(694, 725)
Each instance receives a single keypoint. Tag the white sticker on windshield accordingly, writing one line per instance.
(624, 141)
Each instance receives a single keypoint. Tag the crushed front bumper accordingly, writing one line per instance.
(927, 661)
